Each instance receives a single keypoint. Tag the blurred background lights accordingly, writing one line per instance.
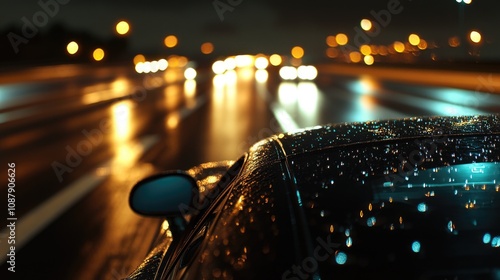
(495, 242)
(414, 39)
(297, 52)
(170, 41)
(230, 63)
(331, 41)
(72, 47)
(207, 48)
(307, 72)
(190, 73)
(369, 60)
(366, 24)
(122, 27)
(475, 36)
(139, 58)
(288, 73)
(98, 54)
(399, 46)
(162, 64)
(261, 62)
(486, 238)
(341, 39)
(218, 67)
(275, 59)
(365, 49)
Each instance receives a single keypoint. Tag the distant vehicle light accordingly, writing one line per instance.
(190, 73)
(308, 72)
(261, 63)
(218, 67)
(288, 73)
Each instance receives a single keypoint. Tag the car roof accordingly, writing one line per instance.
(335, 135)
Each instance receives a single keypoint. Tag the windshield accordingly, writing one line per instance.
(405, 209)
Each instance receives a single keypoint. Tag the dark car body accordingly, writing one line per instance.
(417, 198)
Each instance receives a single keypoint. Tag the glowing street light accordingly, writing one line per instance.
(207, 48)
(72, 47)
(366, 24)
(475, 36)
(414, 39)
(341, 39)
(297, 52)
(122, 27)
(98, 54)
(170, 41)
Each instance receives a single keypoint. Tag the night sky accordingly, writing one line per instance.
(244, 26)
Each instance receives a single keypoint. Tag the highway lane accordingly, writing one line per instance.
(79, 153)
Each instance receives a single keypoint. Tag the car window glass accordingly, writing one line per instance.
(417, 207)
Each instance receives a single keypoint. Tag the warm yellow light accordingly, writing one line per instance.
(365, 49)
(275, 59)
(422, 45)
(207, 48)
(122, 27)
(341, 39)
(72, 47)
(454, 42)
(467, 2)
(475, 36)
(190, 73)
(297, 52)
(355, 57)
(261, 62)
(330, 41)
(332, 52)
(414, 39)
(139, 58)
(368, 60)
(98, 54)
(399, 47)
(366, 24)
(170, 41)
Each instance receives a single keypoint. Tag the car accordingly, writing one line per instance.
(414, 198)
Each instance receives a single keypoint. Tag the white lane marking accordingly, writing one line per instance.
(39, 218)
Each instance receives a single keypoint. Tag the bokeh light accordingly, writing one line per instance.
(275, 59)
(414, 39)
(368, 59)
(331, 41)
(399, 46)
(170, 41)
(207, 48)
(341, 39)
(475, 36)
(297, 52)
(122, 27)
(139, 58)
(366, 24)
(98, 54)
(355, 57)
(72, 47)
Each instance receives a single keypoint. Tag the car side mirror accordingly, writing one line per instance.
(163, 194)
